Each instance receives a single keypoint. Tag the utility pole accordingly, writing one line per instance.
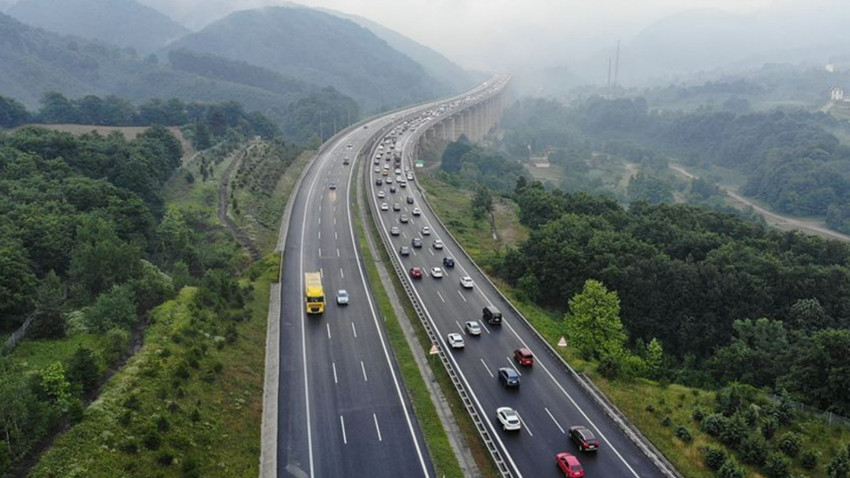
(617, 64)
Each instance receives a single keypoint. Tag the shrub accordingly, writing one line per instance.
(713, 424)
(667, 421)
(129, 447)
(790, 443)
(768, 427)
(731, 469)
(698, 413)
(735, 431)
(152, 440)
(809, 459)
(132, 402)
(117, 341)
(714, 457)
(165, 458)
(684, 434)
(777, 466)
(754, 450)
(115, 308)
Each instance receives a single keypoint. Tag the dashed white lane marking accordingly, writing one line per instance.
(556, 421)
(342, 424)
(487, 368)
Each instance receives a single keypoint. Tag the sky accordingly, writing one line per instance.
(486, 33)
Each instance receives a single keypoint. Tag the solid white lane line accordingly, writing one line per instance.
(461, 295)
(363, 368)
(353, 329)
(329, 330)
(441, 297)
(487, 368)
(333, 364)
(556, 421)
(377, 427)
(342, 424)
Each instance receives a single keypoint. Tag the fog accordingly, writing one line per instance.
(487, 34)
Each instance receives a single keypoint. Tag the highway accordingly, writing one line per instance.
(549, 400)
(342, 409)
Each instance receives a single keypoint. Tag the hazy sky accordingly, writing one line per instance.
(475, 33)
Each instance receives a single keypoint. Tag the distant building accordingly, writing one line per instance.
(830, 68)
(836, 94)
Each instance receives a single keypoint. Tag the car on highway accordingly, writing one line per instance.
(524, 357)
(509, 377)
(393, 189)
(395, 231)
(349, 146)
(466, 282)
(436, 273)
(379, 182)
(417, 211)
(508, 418)
(569, 465)
(426, 231)
(402, 183)
(397, 171)
(448, 262)
(399, 179)
(415, 272)
(388, 179)
(409, 177)
(583, 438)
(403, 218)
(404, 251)
(438, 244)
(416, 242)
(381, 194)
(332, 185)
(346, 160)
(342, 297)
(384, 207)
(377, 168)
(396, 206)
(409, 199)
(472, 327)
(455, 340)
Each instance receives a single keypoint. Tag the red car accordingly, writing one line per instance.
(570, 465)
(415, 272)
(524, 357)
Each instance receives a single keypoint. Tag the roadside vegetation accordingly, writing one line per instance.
(690, 363)
(113, 251)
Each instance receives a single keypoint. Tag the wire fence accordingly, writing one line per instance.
(16, 337)
(829, 418)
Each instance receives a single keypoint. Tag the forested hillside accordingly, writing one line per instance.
(320, 49)
(125, 23)
(791, 160)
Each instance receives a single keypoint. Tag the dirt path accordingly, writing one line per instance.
(780, 222)
(224, 203)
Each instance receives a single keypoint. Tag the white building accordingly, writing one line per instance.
(836, 94)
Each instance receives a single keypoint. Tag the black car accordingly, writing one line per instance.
(379, 182)
(393, 189)
(409, 199)
(583, 438)
(448, 262)
(509, 377)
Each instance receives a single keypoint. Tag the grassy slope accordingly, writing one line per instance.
(223, 437)
(645, 403)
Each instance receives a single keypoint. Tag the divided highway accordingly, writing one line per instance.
(549, 400)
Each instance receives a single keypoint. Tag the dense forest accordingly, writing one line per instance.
(88, 247)
(728, 299)
(793, 160)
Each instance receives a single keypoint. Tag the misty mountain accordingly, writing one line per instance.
(435, 64)
(125, 23)
(320, 49)
(36, 61)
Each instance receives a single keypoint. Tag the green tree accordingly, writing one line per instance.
(17, 283)
(482, 202)
(594, 323)
(654, 357)
(821, 372)
(83, 371)
(839, 466)
(48, 321)
(100, 258)
(12, 114)
(115, 308)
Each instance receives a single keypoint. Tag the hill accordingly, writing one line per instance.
(36, 61)
(125, 23)
(318, 48)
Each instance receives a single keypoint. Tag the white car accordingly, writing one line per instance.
(416, 211)
(409, 176)
(436, 273)
(377, 168)
(438, 244)
(472, 327)
(381, 194)
(455, 340)
(466, 282)
(426, 231)
(342, 297)
(509, 418)
(384, 207)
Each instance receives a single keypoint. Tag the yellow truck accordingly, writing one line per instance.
(314, 293)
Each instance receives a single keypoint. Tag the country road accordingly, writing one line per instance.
(773, 219)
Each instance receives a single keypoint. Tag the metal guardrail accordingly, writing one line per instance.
(655, 455)
(400, 271)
